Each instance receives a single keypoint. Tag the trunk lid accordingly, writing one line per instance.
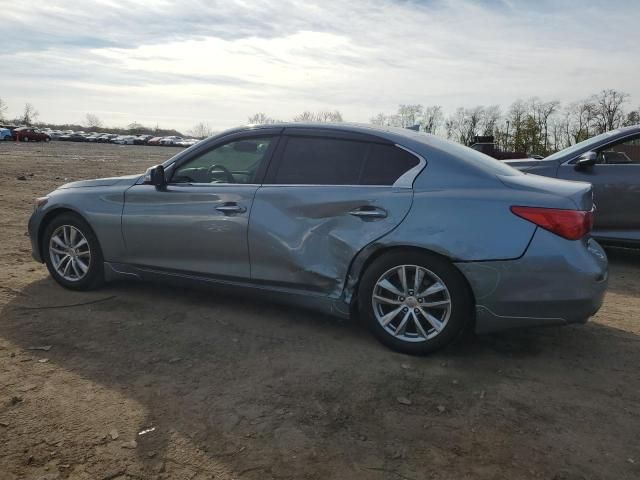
(580, 194)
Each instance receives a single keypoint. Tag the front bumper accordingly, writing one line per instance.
(556, 282)
(33, 228)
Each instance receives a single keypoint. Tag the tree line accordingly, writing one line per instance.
(533, 126)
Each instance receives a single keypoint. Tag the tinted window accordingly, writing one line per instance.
(621, 153)
(321, 161)
(234, 162)
(326, 161)
(385, 164)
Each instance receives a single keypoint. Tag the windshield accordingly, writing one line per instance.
(582, 145)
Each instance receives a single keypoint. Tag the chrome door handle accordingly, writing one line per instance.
(369, 212)
(229, 208)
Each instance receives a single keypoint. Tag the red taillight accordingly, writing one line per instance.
(570, 224)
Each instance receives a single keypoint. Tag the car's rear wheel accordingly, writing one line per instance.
(25, 139)
(414, 302)
(72, 253)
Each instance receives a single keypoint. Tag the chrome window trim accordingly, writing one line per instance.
(407, 178)
(404, 181)
(334, 185)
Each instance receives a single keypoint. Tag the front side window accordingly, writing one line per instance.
(330, 161)
(233, 162)
(621, 153)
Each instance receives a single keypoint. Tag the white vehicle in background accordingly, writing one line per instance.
(55, 134)
(171, 140)
(124, 140)
(187, 142)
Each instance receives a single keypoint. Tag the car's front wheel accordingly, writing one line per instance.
(414, 302)
(72, 253)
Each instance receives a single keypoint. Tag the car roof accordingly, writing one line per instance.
(450, 159)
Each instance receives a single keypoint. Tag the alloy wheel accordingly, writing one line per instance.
(411, 303)
(70, 253)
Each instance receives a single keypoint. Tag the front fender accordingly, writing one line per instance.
(100, 207)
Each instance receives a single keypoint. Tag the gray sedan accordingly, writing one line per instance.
(421, 237)
(611, 162)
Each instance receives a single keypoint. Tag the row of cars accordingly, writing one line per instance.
(30, 134)
(171, 140)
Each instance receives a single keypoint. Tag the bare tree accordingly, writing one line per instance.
(329, 116)
(432, 119)
(608, 109)
(379, 119)
(3, 109)
(29, 115)
(516, 125)
(580, 118)
(409, 115)
(465, 124)
(321, 116)
(201, 130)
(490, 117)
(92, 121)
(540, 112)
(633, 118)
(261, 119)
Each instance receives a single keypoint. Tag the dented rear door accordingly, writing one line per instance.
(324, 200)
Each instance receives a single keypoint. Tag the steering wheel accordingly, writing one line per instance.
(213, 169)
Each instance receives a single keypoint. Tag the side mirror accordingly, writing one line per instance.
(155, 176)
(586, 160)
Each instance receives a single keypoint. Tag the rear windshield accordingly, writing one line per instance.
(482, 161)
(468, 155)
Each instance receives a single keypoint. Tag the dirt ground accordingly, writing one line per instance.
(152, 382)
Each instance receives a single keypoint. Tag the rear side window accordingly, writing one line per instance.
(328, 161)
(385, 164)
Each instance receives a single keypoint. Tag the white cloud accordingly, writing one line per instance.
(177, 64)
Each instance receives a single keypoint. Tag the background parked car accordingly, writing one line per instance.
(78, 137)
(154, 141)
(171, 140)
(5, 134)
(55, 134)
(187, 142)
(29, 134)
(611, 163)
(142, 139)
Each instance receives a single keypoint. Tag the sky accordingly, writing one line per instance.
(177, 63)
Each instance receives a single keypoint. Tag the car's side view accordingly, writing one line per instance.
(421, 237)
(611, 162)
(29, 134)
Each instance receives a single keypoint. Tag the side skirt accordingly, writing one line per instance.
(314, 301)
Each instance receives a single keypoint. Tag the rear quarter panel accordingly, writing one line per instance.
(465, 225)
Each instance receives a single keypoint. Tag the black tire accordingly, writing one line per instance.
(460, 296)
(94, 277)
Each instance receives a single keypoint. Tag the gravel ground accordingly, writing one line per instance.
(146, 381)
